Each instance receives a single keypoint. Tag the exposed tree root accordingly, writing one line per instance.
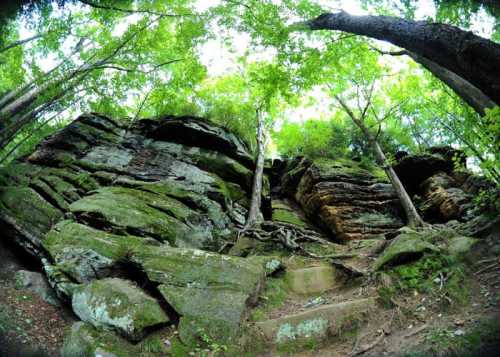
(290, 237)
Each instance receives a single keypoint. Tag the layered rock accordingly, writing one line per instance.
(342, 197)
(441, 188)
(100, 204)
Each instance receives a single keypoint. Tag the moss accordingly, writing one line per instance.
(422, 274)
(51, 195)
(407, 246)
(85, 341)
(78, 250)
(287, 216)
(208, 290)
(18, 174)
(346, 167)
(127, 210)
(28, 209)
(62, 187)
(274, 296)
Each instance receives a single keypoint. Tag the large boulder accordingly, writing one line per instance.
(187, 189)
(442, 199)
(412, 170)
(404, 248)
(212, 293)
(120, 305)
(348, 200)
(99, 200)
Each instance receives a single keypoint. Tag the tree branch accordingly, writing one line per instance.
(19, 42)
(129, 11)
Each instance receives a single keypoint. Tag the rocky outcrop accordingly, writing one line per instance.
(412, 170)
(441, 187)
(345, 199)
(443, 200)
(103, 206)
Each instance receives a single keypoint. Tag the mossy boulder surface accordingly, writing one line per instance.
(211, 292)
(406, 247)
(83, 340)
(25, 213)
(119, 305)
(85, 253)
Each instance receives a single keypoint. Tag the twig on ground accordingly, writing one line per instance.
(416, 331)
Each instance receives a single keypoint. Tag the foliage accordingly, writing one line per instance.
(443, 340)
(435, 274)
(213, 348)
(134, 59)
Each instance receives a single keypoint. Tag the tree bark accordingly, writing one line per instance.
(414, 219)
(471, 57)
(19, 43)
(469, 93)
(464, 89)
(254, 214)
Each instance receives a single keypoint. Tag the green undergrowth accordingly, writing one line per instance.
(5, 321)
(443, 342)
(440, 275)
(273, 297)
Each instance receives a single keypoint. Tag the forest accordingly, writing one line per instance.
(249, 177)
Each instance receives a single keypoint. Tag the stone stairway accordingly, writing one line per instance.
(322, 308)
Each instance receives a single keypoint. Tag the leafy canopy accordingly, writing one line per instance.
(223, 60)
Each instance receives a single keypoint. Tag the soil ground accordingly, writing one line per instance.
(418, 324)
(29, 326)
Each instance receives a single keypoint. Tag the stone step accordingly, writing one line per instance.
(316, 324)
(312, 280)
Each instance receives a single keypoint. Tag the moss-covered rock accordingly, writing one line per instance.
(120, 305)
(460, 246)
(211, 292)
(28, 215)
(406, 247)
(143, 213)
(83, 340)
(284, 212)
(85, 253)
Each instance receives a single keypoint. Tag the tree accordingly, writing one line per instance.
(254, 212)
(104, 68)
(473, 58)
(413, 218)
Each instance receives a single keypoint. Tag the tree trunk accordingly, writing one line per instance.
(414, 219)
(471, 57)
(469, 93)
(254, 214)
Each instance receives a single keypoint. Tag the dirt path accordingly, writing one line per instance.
(28, 325)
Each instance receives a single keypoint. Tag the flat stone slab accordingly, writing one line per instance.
(314, 324)
(312, 280)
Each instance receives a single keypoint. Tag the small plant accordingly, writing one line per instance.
(487, 201)
(440, 338)
(440, 275)
(212, 348)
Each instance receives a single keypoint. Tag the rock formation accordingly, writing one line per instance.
(101, 204)
(349, 201)
(137, 229)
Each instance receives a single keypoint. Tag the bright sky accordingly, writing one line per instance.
(220, 59)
